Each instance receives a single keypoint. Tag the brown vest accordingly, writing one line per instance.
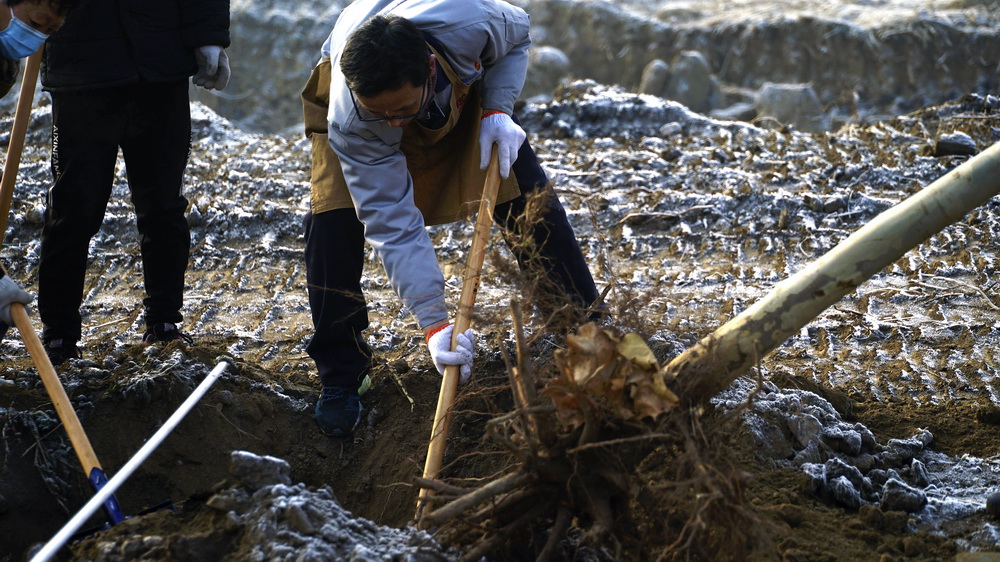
(444, 163)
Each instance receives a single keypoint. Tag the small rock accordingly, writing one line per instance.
(918, 474)
(993, 505)
(792, 104)
(844, 493)
(955, 144)
(900, 496)
(654, 78)
(255, 472)
(298, 518)
(691, 82)
(805, 428)
(739, 111)
(547, 66)
(817, 477)
(670, 129)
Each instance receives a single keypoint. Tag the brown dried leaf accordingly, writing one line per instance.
(565, 399)
(618, 374)
(634, 348)
(591, 358)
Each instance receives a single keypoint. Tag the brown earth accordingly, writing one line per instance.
(372, 473)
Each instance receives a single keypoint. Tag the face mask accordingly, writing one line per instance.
(19, 40)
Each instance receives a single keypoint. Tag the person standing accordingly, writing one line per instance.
(118, 74)
(26, 24)
(404, 108)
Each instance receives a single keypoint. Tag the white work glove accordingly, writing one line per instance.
(213, 67)
(11, 292)
(499, 128)
(442, 355)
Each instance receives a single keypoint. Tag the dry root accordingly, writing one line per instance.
(576, 455)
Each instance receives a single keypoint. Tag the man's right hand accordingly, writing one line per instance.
(11, 292)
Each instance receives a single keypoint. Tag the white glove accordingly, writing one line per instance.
(11, 292)
(499, 128)
(442, 355)
(213, 67)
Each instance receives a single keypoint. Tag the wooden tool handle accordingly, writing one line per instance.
(16, 144)
(55, 389)
(463, 321)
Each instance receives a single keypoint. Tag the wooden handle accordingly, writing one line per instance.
(17, 132)
(55, 389)
(463, 321)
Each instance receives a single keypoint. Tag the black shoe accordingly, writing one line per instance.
(338, 410)
(164, 332)
(59, 350)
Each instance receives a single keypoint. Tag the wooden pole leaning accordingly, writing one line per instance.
(17, 132)
(463, 321)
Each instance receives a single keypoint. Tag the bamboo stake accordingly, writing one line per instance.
(713, 363)
(463, 321)
(16, 143)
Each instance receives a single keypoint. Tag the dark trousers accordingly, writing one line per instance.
(335, 260)
(151, 123)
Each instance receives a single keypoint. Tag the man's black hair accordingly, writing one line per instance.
(61, 7)
(384, 54)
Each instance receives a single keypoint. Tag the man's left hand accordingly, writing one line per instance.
(11, 292)
(499, 128)
(213, 67)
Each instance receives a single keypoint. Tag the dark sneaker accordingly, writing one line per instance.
(59, 350)
(164, 332)
(338, 410)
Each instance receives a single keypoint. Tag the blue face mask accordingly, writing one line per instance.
(19, 40)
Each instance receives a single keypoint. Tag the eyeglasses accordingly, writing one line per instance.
(366, 116)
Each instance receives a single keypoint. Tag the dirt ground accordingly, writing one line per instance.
(372, 473)
(246, 305)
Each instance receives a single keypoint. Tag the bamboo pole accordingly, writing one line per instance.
(709, 366)
(463, 321)
(16, 143)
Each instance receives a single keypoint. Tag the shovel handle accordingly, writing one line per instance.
(55, 389)
(463, 321)
(16, 144)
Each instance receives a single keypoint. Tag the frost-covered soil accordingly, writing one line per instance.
(874, 431)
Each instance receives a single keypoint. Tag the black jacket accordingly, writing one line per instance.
(113, 42)
(9, 70)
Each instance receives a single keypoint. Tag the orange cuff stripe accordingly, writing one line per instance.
(436, 330)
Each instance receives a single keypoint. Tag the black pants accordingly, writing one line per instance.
(151, 123)
(335, 260)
